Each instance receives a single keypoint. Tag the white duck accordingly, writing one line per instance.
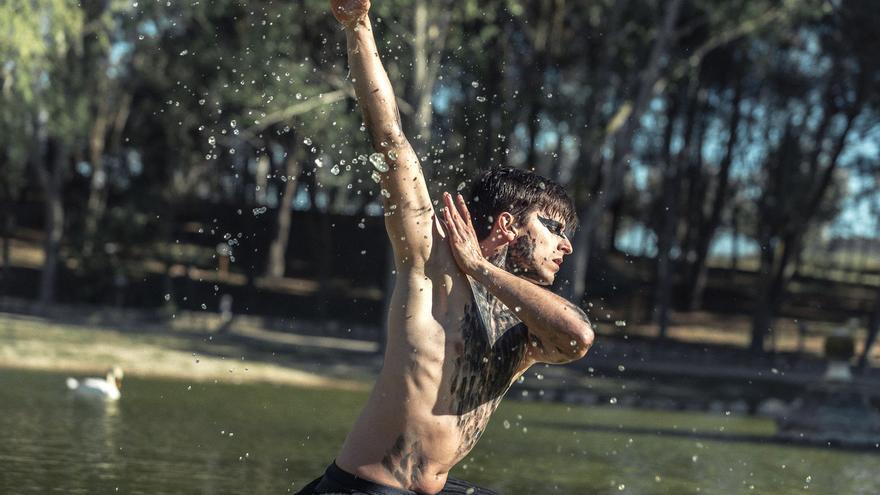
(99, 388)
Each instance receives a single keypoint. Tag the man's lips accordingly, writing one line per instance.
(558, 262)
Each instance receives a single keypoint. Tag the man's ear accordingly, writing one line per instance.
(505, 226)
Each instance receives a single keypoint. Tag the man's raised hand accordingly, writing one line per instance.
(461, 235)
(349, 12)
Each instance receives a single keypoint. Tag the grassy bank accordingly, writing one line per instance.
(29, 342)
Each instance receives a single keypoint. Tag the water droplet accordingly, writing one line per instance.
(385, 193)
(307, 141)
(319, 163)
(612, 400)
(212, 141)
(375, 177)
(475, 84)
(392, 155)
(184, 53)
(378, 162)
(506, 424)
(461, 186)
(259, 211)
(481, 99)
(167, 297)
(334, 170)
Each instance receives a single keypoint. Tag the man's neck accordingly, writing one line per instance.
(499, 257)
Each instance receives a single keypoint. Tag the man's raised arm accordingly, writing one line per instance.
(408, 211)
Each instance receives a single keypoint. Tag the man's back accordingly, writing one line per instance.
(452, 352)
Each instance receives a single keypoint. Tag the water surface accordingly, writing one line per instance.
(181, 437)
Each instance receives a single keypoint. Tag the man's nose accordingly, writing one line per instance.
(565, 246)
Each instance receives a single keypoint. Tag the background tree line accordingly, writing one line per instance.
(683, 128)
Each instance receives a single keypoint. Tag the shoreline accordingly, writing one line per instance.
(38, 344)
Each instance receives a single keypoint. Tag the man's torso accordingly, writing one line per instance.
(452, 352)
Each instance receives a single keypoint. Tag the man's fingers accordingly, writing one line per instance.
(450, 223)
(465, 213)
(450, 207)
(462, 207)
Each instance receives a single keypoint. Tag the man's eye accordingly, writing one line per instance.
(554, 227)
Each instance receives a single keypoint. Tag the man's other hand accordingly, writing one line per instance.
(461, 235)
(349, 12)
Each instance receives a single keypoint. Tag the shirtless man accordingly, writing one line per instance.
(468, 314)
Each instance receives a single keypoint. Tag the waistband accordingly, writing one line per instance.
(344, 479)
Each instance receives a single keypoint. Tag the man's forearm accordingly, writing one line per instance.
(553, 319)
(374, 92)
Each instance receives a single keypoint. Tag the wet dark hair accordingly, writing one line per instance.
(519, 193)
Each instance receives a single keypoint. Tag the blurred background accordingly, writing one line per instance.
(184, 184)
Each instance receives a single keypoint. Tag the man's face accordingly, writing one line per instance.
(537, 250)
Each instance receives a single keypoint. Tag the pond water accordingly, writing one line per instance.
(179, 437)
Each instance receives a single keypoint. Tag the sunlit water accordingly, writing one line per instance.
(178, 437)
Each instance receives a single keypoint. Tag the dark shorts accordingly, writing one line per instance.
(337, 481)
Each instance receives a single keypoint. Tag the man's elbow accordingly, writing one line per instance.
(582, 340)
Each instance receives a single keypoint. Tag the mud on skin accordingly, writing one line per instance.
(520, 256)
(495, 342)
(405, 461)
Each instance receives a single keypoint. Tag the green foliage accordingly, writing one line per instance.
(217, 86)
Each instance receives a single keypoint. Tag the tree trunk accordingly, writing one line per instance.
(576, 271)
(698, 272)
(50, 167)
(616, 211)
(8, 228)
(430, 30)
(422, 86)
(761, 318)
(873, 330)
(277, 262)
(672, 182)
(97, 185)
(734, 245)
